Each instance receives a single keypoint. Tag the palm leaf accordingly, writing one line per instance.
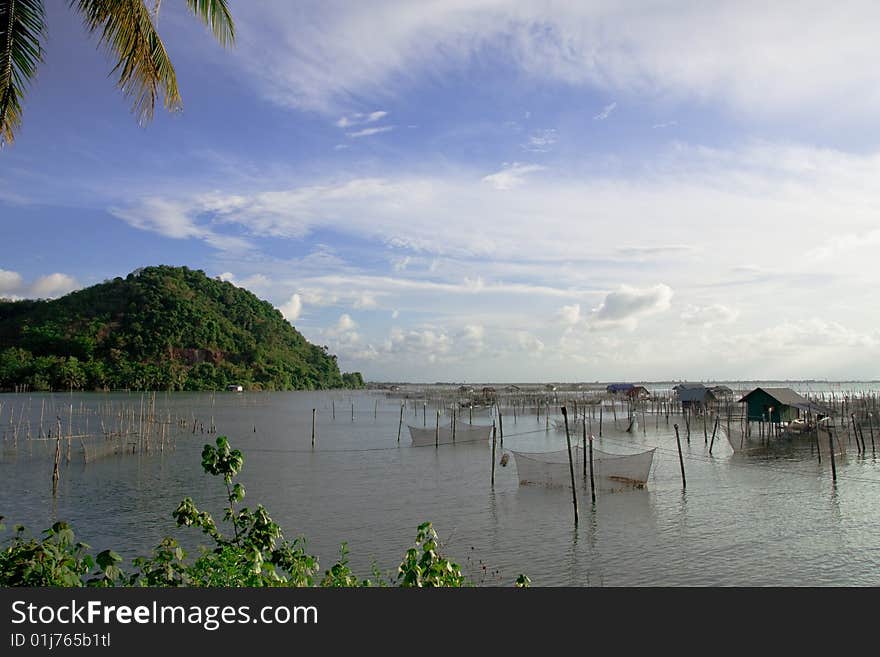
(216, 15)
(22, 26)
(144, 67)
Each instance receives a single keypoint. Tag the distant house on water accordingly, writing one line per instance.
(638, 392)
(778, 405)
(694, 395)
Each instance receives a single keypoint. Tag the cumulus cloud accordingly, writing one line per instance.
(292, 308)
(10, 282)
(529, 342)
(471, 337)
(570, 314)
(53, 285)
(627, 305)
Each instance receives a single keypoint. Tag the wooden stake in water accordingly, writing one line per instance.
(585, 446)
(871, 429)
(680, 459)
(437, 430)
(574, 499)
(600, 418)
(453, 426)
(714, 429)
(55, 474)
(833, 465)
(501, 427)
(400, 423)
(493, 455)
(314, 411)
(425, 414)
(352, 411)
(333, 407)
(855, 432)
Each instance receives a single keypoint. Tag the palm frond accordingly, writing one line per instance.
(22, 26)
(216, 15)
(144, 67)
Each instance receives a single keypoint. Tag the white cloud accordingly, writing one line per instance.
(541, 141)
(365, 300)
(529, 342)
(665, 124)
(395, 314)
(292, 308)
(606, 112)
(512, 175)
(754, 58)
(710, 315)
(359, 118)
(10, 282)
(627, 305)
(227, 276)
(366, 132)
(173, 219)
(570, 314)
(471, 338)
(345, 323)
(53, 285)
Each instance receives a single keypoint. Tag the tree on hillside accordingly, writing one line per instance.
(127, 28)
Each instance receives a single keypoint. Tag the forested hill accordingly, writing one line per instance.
(159, 328)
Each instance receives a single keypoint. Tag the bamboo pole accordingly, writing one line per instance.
(833, 465)
(592, 478)
(680, 459)
(501, 427)
(314, 411)
(437, 431)
(55, 474)
(493, 455)
(400, 423)
(714, 429)
(574, 499)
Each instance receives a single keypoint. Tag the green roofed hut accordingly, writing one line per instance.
(777, 405)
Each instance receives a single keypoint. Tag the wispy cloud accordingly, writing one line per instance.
(666, 124)
(366, 132)
(708, 316)
(755, 59)
(512, 175)
(606, 112)
(359, 118)
(541, 141)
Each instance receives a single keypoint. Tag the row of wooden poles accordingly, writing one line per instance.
(124, 427)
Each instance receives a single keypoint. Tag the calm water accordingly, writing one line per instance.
(765, 519)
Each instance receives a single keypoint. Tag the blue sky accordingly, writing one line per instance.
(485, 190)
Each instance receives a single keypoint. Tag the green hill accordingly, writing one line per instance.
(165, 328)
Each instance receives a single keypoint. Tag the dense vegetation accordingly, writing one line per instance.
(255, 554)
(165, 328)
